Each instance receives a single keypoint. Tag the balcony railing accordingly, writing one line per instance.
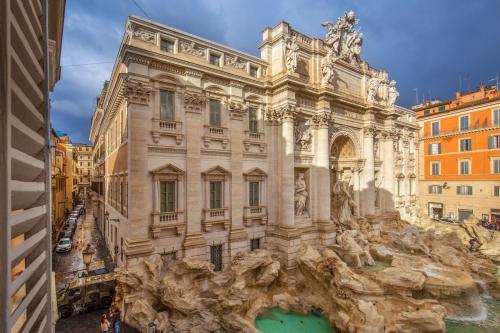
(212, 133)
(212, 216)
(257, 213)
(168, 220)
(472, 128)
(254, 136)
(167, 128)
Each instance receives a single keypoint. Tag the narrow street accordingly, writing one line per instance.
(68, 265)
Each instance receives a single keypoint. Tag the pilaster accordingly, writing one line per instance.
(367, 180)
(194, 243)
(321, 122)
(287, 207)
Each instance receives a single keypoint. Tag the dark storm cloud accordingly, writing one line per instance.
(423, 44)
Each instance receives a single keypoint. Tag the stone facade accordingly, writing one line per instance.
(250, 147)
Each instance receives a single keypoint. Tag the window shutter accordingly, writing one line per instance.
(439, 148)
(458, 189)
(163, 192)
(490, 142)
(429, 149)
(430, 188)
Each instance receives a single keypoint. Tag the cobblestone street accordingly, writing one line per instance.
(68, 265)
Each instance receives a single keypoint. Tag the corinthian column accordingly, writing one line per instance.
(368, 174)
(320, 121)
(287, 168)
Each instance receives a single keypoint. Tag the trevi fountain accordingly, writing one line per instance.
(380, 273)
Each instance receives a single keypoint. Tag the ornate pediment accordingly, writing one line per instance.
(167, 169)
(216, 171)
(255, 174)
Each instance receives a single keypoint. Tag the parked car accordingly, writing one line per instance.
(67, 234)
(64, 245)
(71, 220)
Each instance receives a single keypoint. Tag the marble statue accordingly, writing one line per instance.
(381, 90)
(343, 42)
(355, 248)
(300, 196)
(393, 93)
(343, 204)
(303, 137)
(291, 53)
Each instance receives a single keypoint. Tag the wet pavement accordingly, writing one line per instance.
(67, 266)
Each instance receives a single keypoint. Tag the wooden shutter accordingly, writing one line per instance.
(170, 196)
(429, 149)
(215, 117)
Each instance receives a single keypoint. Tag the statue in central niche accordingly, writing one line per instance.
(300, 196)
(343, 204)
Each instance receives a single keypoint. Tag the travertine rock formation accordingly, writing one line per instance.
(418, 278)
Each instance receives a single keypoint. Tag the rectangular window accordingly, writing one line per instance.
(252, 120)
(214, 59)
(464, 123)
(121, 196)
(442, 108)
(254, 194)
(167, 45)
(464, 167)
(167, 196)
(494, 142)
(496, 117)
(426, 112)
(167, 108)
(216, 257)
(496, 166)
(496, 191)
(435, 189)
(435, 168)
(435, 128)
(254, 71)
(215, 195)
(435, 148)
(465, 144)
(215, 117)
(254, 244)
(464, 190)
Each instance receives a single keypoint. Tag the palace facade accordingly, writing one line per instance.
(460, 156)
(203, 151)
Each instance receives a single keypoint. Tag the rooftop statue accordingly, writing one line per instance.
(343, 42)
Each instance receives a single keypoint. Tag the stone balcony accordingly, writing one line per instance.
(167, 128)
(253, 214)
(166, 221)
(254, 138)
(215, 216)
(212, 133)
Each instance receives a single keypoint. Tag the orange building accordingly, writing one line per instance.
(460, 155)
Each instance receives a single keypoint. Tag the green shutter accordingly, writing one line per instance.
(215, 117)
(167, 105)
(254, 194)
(163, 195)
(215, 195)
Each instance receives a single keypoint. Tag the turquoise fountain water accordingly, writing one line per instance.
(275, 320)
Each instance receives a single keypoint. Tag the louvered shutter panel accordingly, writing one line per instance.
(490, 142)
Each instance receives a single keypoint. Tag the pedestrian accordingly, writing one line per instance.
(117, 326)
(104, 324)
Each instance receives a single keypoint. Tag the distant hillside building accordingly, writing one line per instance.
(460, 155)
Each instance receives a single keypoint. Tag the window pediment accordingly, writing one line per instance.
(255, 174)
(216, 173)
(168, 169)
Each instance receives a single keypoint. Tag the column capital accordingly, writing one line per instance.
(369, 130)
(321, 119)
(136, 91)
(279, 114)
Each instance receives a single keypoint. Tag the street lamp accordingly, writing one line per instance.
(87, 255)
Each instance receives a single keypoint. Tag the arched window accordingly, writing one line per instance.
(399, 184)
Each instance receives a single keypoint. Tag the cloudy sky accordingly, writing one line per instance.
(424, 44)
